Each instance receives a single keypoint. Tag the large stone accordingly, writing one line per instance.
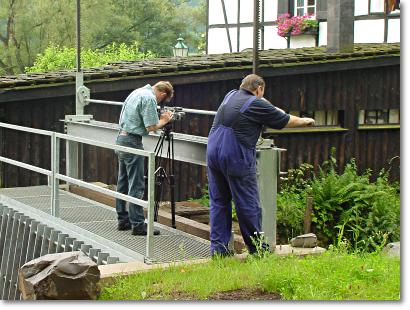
(69, 275)
(393, 249)
(304, 241)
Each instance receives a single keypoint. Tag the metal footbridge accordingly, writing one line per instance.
(39, 220)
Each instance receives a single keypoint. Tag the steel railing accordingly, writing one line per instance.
(55, 176)
(119, 103)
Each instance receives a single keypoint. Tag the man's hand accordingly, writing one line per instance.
(163, 120)
(165, 117)
(308, 121)
(295, 121)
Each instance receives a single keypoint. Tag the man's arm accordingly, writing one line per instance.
(295, 121)
(164, 119)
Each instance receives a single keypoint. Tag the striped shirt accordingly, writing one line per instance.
(139, 111)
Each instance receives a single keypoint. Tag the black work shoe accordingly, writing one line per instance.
(136, 231)
(124, 226)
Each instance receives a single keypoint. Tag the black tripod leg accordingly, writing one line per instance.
(172, 180)
(159, 177)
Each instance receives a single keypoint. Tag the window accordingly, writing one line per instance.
(322, 118)
(379, 117)
(303, 7)
(392, 6)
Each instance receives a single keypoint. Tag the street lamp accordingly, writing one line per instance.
(180, 49)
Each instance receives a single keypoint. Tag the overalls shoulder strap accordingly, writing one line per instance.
(243, 109)
(227, 98)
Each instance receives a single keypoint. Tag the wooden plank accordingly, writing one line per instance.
(307, 220)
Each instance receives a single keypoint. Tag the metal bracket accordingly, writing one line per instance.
(83, 93)
(79, 118)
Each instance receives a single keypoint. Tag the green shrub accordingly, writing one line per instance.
(291, 203)
(63, 58)
(348, 208)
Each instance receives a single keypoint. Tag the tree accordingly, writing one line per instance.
(28, 27)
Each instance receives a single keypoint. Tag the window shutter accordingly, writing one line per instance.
(321, 9)
(283, 7)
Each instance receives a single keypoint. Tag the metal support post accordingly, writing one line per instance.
(74, 150)
(268, 163)
(151, 204)
(55, 165)
(72, 159)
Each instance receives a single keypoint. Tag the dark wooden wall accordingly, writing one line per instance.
(347, 91)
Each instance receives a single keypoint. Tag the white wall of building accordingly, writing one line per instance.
(369, 31)
(366, 31)
(394, 31)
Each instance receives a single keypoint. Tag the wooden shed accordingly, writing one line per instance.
(354, 97)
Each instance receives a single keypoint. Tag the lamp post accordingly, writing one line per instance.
(180, 49)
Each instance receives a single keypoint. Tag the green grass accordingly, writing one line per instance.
(330, 276)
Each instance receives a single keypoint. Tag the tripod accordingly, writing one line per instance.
(161, 172)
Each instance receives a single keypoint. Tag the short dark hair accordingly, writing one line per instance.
(252, 81)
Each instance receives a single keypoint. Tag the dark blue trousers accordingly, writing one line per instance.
(232, 176)
(130, 182)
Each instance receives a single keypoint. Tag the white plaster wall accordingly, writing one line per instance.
(271, 10)
(376, 6)
(393, 33)
(246, 15)
(366, 31)
(216, 15)
(246, 38)
(272, 40)
(361, 7)
(369, 31)
(218, 41)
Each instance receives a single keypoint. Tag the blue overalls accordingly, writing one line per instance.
(232, 176)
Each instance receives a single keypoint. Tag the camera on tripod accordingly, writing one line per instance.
(177, 113)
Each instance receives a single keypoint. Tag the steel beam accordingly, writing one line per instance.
(188, 148)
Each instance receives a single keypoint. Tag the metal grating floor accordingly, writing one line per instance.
(99, 219)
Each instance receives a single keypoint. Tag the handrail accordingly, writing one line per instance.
(26, 129)
(102, 190)
(119, 103)
(26, 166)
(104, 145)
(54, 175)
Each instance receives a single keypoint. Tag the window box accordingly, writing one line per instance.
(311, 31)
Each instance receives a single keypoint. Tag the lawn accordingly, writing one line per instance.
(329, 276)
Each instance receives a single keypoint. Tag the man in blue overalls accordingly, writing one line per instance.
(231, 161)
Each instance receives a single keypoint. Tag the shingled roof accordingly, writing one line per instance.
(274, 58)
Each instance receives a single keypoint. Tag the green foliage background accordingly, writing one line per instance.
(348, 208)
(29, 27)
(58, 58)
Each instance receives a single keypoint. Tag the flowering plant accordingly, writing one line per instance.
(295, 25)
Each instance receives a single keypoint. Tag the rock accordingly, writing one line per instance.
(64, 276)
(304, 241)
(392, 249)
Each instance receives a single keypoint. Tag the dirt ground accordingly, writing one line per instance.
(241, 294)
(245, 294)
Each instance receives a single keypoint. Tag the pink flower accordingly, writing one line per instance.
(292, 25)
